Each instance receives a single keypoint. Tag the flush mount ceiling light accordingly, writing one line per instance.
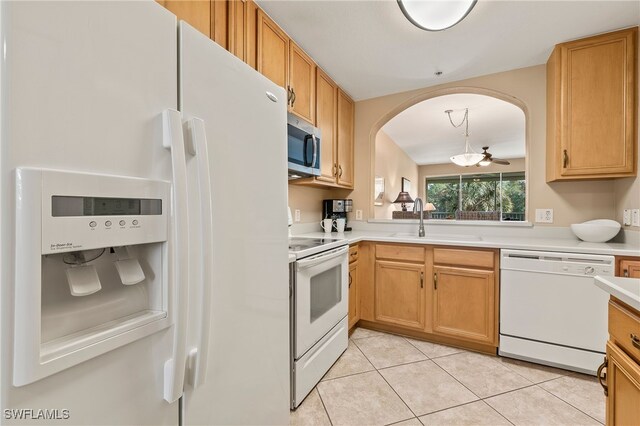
(435, 15)
(470, 157)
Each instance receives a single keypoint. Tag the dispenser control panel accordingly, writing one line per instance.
(82, 211)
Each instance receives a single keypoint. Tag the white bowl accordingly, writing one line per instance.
(596, 231)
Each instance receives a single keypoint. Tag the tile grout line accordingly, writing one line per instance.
(570, 404)
(388, 384)
(439, 356)
(323, 405)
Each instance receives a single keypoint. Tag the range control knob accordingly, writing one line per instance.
(92, 224)
(135, 222)
(107, 223)
(122, 223)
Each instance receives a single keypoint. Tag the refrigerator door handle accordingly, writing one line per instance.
(198, 136)
(174, 368)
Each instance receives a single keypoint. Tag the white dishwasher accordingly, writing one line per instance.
(550, 310)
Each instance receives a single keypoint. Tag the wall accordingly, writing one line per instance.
(517, 165)
(572, 201)
(309, 201)
(392, 163)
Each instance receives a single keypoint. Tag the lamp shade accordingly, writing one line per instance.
(467, 159)
(429, 207)
(404, 197)
(435, 15)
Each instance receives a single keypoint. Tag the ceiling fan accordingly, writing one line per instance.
(488, 159)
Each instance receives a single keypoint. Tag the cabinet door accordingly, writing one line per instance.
(302, 81)
(623, 382)
(196, 13)
(273, 51)
(597, 118)
(630, 268)
(219, 31)
(326, 105)
(354, 309)
(399, 294)
(238, 19)
(345, 139)
(464, 303)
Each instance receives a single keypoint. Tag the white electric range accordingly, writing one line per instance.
(318, 306)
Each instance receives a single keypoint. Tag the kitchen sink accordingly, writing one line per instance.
(439, 237)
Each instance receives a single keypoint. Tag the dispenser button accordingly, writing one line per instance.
(107, 223)
(122, 223)
(92, 224)
(135, 222)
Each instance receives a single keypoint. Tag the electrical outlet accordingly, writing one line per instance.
(297, 216)
(358, 214)
(626, 217)
(544, 215)
(635, 217)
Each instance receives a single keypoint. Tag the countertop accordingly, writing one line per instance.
(625, 289)
(569, 245)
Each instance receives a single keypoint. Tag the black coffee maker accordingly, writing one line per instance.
(337, 209)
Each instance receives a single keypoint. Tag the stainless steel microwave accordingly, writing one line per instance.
(303, 148)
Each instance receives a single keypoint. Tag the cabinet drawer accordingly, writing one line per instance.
(623, 326)
(400, 252)
(353, 253)
(458, 257)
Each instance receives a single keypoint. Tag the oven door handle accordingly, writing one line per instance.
(323, 257)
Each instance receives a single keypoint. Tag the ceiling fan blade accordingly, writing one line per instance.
(500, 161)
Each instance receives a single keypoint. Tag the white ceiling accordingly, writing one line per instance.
(370, 49)
(424, 132)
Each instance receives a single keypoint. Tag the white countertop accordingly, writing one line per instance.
(292, 257)
(571, 245)
(625, 289)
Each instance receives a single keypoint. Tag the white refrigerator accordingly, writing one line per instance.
(143, 254)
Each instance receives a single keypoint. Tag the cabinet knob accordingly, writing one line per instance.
(635, 341)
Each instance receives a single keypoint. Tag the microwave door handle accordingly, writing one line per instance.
(315, 150)
(304, 151)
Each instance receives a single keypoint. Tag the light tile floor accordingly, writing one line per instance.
(383, 379)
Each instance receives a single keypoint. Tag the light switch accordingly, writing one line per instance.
(635, 217)
(358, 214)
(626, 217)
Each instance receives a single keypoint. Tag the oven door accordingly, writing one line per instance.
(320, 296)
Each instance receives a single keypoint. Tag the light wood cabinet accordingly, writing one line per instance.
(195, 12)
(345, 140)
(400, 293)
(630, 268)
(623, 388)
(272, 50)
(464, 303)
(302, 83)
(619, 375)
(326, 105)
(591, 108)
(354, 305)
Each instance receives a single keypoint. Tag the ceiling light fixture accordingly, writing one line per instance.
(435, 15)
(470, 157)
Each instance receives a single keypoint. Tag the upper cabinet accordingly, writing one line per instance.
(344, 138)
(302, 84)
(591, 108)
(273, 52)
(326, 105)
(196, 13)
(287, 65)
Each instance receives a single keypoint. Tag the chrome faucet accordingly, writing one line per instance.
(417, 204)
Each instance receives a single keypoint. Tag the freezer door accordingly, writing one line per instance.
(239, 334)
(83, 87)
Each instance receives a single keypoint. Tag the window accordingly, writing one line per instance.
(488, 196)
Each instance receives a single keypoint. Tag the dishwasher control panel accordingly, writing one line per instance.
(558, 263)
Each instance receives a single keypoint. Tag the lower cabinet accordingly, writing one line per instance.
(354, 305)
(464, 303)
(399, 294)
(623, 387)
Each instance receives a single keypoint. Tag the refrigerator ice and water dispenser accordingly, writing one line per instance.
(92, 267)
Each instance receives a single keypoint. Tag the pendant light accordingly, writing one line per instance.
(469, 157)
(435, 15)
